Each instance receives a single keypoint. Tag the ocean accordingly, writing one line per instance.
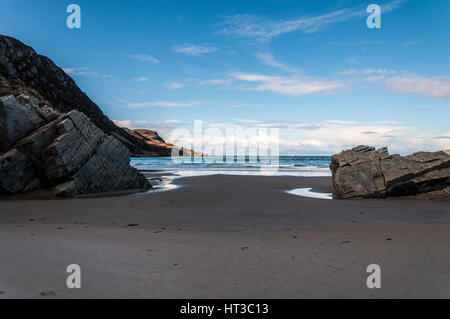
(283, 165)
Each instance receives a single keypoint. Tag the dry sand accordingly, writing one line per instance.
(225, 237)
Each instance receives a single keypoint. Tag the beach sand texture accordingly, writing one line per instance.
(225, 237)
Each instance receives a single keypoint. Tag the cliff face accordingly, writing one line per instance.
(41, 148)
(22, 69)
(156, 142)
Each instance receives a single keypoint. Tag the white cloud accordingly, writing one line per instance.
(260, 29)
(174, 85)
(143, 79)
(193, 50)
(348, 72)
(72, 71)
(124, 123)
(269, 59)
(144, 58)
(218, 82)
(402, 82)
(163, 104)
(438, 87)
(294, 85)
(85, 72)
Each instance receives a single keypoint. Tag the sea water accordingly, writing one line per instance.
(306, 166)
(280, 166)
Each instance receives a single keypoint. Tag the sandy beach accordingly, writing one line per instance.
(225, 237)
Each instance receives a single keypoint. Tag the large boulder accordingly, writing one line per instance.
(369, 173)
(66, 153)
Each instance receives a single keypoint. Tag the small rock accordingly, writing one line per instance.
(133, 225)
(244, 248)
(346, 242)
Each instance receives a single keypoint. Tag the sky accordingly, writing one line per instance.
(312, 69)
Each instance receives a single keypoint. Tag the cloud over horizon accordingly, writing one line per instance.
(320, 138)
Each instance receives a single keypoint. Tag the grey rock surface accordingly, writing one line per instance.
(369, 173)
(66, 153)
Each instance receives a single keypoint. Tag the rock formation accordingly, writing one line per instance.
(42, 148)
(369, 173)
(153, 140)
(22, 69)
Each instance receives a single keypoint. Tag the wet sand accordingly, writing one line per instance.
(225, 237)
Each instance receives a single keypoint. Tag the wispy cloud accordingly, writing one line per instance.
(164, 104)
(142, 79)
(437, 87)
(193, 50)
(348, 72)
(355, 43)
(293, 85)
(413, 42)
(123, 123)
(144, 58)
(262, 29)
(85, 72)
(222, 82)
(171, 85)
(403, 82)
(268, 59)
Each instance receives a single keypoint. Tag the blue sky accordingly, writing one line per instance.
(313, 69)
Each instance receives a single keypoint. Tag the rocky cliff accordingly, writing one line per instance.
(22, 69)
(153, 140)
(42, 148)
(369, 173)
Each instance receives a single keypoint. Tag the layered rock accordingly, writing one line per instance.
(153, 140)
(21, 68)
(66, 153)
(369, 173)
